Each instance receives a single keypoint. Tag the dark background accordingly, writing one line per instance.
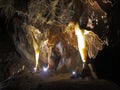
(107, 63)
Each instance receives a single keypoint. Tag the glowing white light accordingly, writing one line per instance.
(45, 69)
(73, 72)
(35, 69)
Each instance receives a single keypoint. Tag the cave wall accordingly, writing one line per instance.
(101, 63)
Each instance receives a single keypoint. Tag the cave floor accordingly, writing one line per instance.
(46, 81)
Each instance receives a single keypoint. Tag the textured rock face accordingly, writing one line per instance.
(50, 18)
(10, 60)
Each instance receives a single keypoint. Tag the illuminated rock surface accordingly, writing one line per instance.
(12, 60)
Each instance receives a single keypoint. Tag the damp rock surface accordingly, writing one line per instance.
(34, 81)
